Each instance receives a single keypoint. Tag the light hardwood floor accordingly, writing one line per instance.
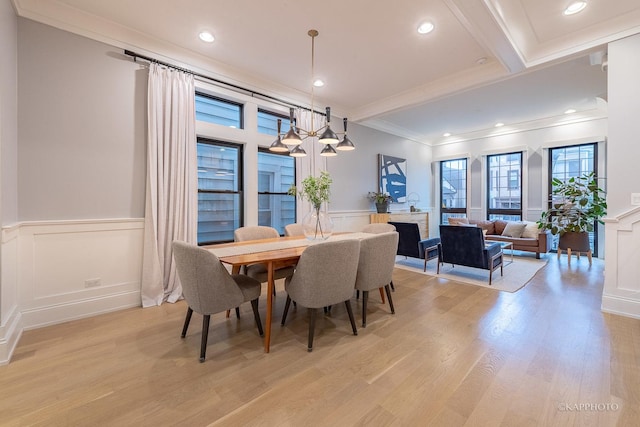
(452, 355)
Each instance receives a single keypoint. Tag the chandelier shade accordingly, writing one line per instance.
(325, 135)
(277, 145)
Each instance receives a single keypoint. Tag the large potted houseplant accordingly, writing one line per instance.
(576, 206)
(317, 225)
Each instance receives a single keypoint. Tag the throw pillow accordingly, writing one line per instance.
(530, 230)
(514, 229)
(458, 221)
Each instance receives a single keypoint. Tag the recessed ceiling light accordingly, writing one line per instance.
(499, 124)
(426, 27)
(318, 83)
(206, 36)
(446, 134)
(575, 7)
(481, 61)
(570, 111)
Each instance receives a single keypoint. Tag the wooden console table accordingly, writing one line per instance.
(421, 218)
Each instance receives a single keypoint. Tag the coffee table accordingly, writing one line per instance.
(503, 245)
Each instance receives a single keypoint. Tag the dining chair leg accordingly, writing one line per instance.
(286, 310)
(381, 294)
(393, 288)
(347, 303)
(312, 327)
(205, 335)
(256, 315)
(388, 290)
(237, 312)
(186, 322)
(365, 297)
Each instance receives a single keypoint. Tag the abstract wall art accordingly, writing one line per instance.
(392, 177)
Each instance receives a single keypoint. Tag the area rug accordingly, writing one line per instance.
(516, 274)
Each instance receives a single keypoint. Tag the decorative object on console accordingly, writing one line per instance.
(392, 177)
(294, 137)
(381, 200)
(315, 224)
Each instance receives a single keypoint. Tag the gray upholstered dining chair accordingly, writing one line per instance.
(294, 229)
(208, 287)
(259, 232)
(375, 267)
(376, 228)
(325, 276)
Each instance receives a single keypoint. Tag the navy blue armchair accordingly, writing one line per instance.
(465, 246)
(410, 244)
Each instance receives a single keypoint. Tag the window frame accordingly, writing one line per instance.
(504, 211)
(240, 180)
(454, 211)
(224, 101)
(280, 193)
(550, 176)
(282, 116)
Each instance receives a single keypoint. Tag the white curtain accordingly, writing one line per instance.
(314, 163)
(171, 211)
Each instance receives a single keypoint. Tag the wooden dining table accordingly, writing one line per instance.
(273, 253)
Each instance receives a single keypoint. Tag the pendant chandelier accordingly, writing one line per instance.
(292, 140)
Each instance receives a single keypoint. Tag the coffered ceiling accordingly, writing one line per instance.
(519, 62)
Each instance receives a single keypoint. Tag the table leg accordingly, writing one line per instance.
(270, 287)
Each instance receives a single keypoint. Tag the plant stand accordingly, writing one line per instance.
(568, 250)
(576, 242)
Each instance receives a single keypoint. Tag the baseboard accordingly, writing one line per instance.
(10, 334)
(73, 310)
(621, 306)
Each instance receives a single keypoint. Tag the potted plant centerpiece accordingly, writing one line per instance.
(316, 190)
(576, 205)
(381, 200)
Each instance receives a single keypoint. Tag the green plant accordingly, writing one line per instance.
(575, 205)
(315, 190)
(379, 197)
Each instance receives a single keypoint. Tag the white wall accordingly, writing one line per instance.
(82, 127)
(622, 271)
(10, 327)
(534, 144)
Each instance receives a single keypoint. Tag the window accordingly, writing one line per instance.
(218, 111)
(453, 189)
(568, 162)
(268, 122)
(504, 186)
(220, 209)
(276, 173)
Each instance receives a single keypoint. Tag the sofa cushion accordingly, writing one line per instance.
(530, 230)
(517, 242)
(485, 225)
(513, 229)
(457, 221)
(499, 224)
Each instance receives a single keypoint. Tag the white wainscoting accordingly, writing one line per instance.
(356, 220)
(349, 220)
(11, 321)
(74, 269)
(621, 293)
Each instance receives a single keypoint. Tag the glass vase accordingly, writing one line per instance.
(317, 225)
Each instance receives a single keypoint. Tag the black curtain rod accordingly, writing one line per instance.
(216, 81)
